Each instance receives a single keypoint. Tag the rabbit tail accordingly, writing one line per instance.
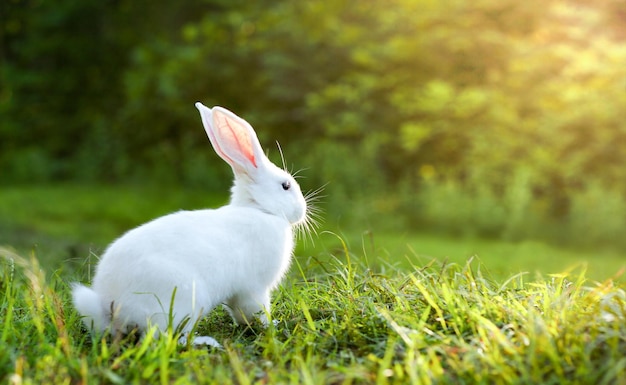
(89, 305)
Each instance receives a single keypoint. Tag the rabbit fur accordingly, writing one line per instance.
(184, 264)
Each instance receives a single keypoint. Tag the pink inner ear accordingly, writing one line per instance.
(234, 135)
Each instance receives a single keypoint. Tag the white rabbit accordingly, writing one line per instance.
(234, 255)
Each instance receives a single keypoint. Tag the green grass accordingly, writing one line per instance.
(501, 258)
(96, 212)
(364, 307)
(68, 226)
(339, 323)
(65, 224)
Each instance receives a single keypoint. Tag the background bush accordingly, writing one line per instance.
(478, 117)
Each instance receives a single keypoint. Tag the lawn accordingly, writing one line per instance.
(445, 324)
(499, 258)
(357, 307)
(67, 225)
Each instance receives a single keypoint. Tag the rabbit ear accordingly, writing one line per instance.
(233, 138)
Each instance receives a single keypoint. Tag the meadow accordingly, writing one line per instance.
(473, 156)
(357, 307)
(68, 225)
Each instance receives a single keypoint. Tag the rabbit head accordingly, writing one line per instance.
(258, 182)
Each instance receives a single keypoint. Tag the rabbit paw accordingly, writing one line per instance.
(201, 341)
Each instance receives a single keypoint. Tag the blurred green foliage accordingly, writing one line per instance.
(500, 118)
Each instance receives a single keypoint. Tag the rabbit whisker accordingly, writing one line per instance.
(297, 175)
(282, 156)
(307, 228)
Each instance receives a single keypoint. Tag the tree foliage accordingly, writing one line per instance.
(497, 115)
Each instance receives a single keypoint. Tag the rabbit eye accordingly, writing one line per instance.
(286, 185)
